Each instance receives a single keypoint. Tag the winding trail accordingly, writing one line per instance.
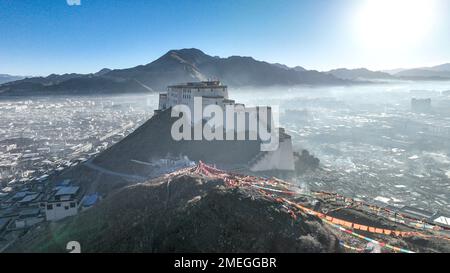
(102, 170)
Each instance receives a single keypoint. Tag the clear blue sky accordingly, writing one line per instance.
(39, 37)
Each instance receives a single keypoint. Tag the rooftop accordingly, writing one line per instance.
(416, 212)
(443, 220)
(29, 198)
(67, 190)
(203, 84)
(90, 200)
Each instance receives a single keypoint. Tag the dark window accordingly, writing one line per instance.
(66, 207)
(58, 205)
(72, 205)
(50, 206)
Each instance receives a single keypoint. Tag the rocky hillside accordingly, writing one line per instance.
(153, 140)
(204, 209)
(188, 213)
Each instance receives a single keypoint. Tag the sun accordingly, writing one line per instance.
(394, 24)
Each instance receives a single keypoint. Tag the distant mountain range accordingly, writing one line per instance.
(4, 78)
(175, 66)
(435, 72)
(359, 74)
(439, 72)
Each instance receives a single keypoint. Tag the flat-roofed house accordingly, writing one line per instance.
(63, 202)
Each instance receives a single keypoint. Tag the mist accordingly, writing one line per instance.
(370, 142)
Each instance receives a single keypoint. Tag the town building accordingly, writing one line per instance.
(442, 220)
(212, 92)
(62, 202)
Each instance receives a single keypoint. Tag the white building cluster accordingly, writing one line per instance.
(211, 92)
(215, 93)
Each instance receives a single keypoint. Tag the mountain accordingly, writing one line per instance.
(4, 78)
(439, 72)
(393, 71)
(359, 74)
(193, 65)
(296, 68)
(442, 67)
(69, 84)
(419, 73)
(103, 72)
(299, 68)
(173, 67)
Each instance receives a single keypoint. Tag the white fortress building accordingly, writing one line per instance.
(214, 93)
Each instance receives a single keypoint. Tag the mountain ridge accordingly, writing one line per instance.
(359, 74)
(441, 71)
(4, 78)
(191, 64)
(438, 72)
(175, 66)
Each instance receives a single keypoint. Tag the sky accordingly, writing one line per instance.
(40, 37)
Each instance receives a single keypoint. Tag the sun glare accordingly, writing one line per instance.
(394, 24)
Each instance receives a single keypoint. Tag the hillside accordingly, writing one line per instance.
(204, 209)
(153, 140)
(185, 214)
(138, 156)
